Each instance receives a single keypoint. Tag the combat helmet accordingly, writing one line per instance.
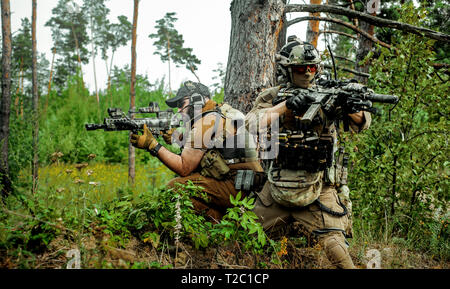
(295, 52)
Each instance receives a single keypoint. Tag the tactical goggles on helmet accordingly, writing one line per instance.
(304, 68)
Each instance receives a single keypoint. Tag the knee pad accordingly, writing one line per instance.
(336, 251)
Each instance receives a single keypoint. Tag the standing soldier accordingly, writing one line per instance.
(304, 175)
(217, 151)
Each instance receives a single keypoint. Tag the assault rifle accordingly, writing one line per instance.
(118, 121)
(339, 98)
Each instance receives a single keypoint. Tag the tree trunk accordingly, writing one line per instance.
(168, 59)
(35, 161)
(49, 88)
(109, 72)
(255, 28)
(193, 72)
(312, 31)
(17, 100)
(131, 151)
(352, 6)
(93, 61)
(5, 104)
(20, 77)
(78, 53)
(364, 47)
(51, 74)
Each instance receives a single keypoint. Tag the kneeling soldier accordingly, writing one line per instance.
(301, 190)
(217, 153)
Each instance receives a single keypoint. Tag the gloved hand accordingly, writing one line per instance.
(168, 135)
(356, 87)
(146, 141)
(299, 102)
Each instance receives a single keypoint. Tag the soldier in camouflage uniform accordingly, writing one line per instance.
(216, 148)
(304, 178)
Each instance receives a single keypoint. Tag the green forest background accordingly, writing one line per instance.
(399, 171)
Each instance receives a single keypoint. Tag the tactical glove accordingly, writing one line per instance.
(168, 135)
(299, 102)
(146, 141)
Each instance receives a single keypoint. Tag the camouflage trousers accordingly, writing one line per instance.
(324, 227)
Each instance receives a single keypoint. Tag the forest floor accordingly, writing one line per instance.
(98, 248)
(138, 254)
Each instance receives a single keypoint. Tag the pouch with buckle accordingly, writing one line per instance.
(213, 165)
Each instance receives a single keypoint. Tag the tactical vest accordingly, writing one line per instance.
(306, 156)
(227, 150)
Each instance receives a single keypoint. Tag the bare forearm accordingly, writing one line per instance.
(357, 118)
(183, 164)
(173, 161)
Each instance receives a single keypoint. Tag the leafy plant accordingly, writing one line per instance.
(400, 169)
(240, 225)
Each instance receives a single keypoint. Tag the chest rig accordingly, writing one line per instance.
(309, 147)
(229, 148)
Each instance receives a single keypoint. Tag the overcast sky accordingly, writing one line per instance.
(204, 24)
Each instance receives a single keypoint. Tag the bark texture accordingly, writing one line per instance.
(364, 47)
(256, 26)
(312, 32)
(35, 161)
(6, 97)
(131, 150)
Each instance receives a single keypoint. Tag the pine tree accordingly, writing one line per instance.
(111, 37)
(6, 186)
(131, 149)
(97, 13)
(21, 55)
(35, 94)
(70, 40)
(169, 45)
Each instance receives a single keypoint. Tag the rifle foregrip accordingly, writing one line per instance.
(384, 98)
(310, 113)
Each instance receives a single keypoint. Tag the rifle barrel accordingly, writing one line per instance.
(384, 98)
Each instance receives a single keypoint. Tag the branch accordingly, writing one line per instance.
(344, 58)
(341, 22)
(348, 70)
(377, 21)
(355, 20)
(338, 32)
(441, 65)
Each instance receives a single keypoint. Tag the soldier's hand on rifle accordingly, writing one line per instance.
(356, 87)
(299, 102)
(145, 141)
(167, 136)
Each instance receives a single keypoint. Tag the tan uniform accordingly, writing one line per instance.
(218, 190)
(300, 187)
